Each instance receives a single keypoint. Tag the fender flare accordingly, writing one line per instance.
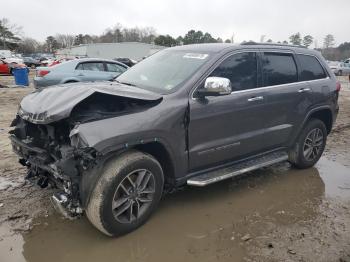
(90, 177)
(307, 117)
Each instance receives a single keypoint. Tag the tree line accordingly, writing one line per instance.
(11, 37)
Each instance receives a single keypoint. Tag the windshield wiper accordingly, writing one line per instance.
(125, 83)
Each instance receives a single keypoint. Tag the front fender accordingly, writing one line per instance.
(164, 126)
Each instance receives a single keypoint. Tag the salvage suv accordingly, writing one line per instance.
(194, 114)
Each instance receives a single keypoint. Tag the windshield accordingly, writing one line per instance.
(164, 71)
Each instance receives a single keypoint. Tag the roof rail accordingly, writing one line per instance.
(271, 44)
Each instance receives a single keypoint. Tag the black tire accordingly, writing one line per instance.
(112, 181)
(300, 156)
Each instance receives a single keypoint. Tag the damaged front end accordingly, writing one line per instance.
(47, 139)
(51, 159)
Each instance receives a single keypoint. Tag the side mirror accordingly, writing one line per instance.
(215, 86)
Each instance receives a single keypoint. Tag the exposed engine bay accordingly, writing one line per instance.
(52, 154)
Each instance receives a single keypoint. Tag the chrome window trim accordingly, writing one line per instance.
(282, 85)
(267, 87)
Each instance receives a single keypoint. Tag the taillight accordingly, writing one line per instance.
(338, 86)
(42, 73)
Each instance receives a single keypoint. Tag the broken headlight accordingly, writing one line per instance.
(32, 117)
(75, 139)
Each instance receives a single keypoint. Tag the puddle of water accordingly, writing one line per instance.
(197, 224)
(336, 178)
(11, 245)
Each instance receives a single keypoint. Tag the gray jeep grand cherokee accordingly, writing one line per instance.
(194, 114)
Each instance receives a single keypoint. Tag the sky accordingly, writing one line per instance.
(243, 19)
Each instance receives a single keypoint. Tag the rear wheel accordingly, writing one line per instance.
(310, 145)
(126, 194)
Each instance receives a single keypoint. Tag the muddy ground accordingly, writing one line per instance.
(274, 214)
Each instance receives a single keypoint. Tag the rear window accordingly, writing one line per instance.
(91, 66)
(278, 69)
(310, 68)
(111, 67)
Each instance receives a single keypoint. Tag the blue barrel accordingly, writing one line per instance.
(21, 76)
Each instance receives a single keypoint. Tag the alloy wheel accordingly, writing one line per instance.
(133, 196)
(313, 144)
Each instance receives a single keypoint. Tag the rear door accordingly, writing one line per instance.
(228, 127)
(287, 99)
(312, 72)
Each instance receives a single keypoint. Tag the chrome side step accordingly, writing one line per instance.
(238, 169)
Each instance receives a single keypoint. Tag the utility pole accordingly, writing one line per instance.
(233, 38)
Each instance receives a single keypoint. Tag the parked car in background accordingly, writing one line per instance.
(10, 57)
(5, 53)
(78, 70)
(46, 61)
(126, 61)
(4, 67)
(31, 62)
(340, 68)
(13, 59)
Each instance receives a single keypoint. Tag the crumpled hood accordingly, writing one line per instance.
(55, 103)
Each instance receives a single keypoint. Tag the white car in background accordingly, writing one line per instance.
(340, 68)
(10, 58)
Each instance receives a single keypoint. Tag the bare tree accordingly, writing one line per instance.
(65, 40)
(28, 45)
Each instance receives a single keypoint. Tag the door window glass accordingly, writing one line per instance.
(240, 69)
(278, 69)
(310, 69)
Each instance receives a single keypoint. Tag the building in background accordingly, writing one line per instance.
(133, 50)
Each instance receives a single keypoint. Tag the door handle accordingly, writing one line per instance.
(302, 90)
(80, 74)
(255, 98)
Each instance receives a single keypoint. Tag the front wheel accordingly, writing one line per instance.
(127, 192)
(310, 145)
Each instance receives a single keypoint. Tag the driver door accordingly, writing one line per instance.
(229, 127)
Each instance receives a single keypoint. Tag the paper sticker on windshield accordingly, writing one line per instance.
(195, 56)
